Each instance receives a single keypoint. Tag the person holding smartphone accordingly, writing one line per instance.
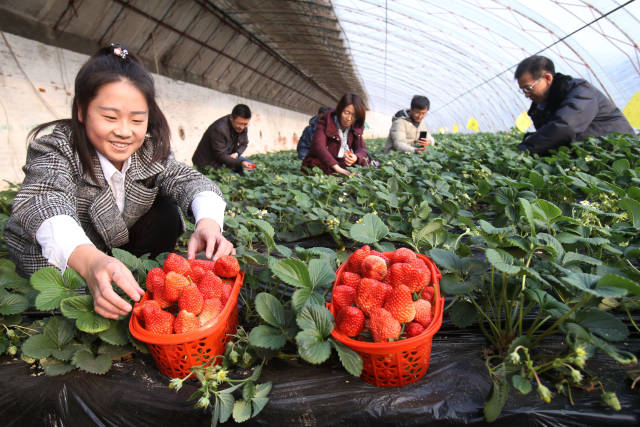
(408, 133)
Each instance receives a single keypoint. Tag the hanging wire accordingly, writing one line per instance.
(386, 32)
(484, 82)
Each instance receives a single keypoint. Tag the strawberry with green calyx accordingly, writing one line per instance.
(185, 322)
(211, 309)
(210, 285)
(343, 296)
(371, 294)
(423, 312)
(373, 267)
(191, 299)
(177, 264)
(227, 266)
(350, 321)
(354, 261)
(383, 326)
(174, 283)
(400, 304)
(349, 279)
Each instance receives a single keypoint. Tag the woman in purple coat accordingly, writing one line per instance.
(337, 141)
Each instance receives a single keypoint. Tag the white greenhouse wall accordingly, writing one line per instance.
(36, 86)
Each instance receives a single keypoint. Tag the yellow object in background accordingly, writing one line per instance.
(454, 129)
(441, 130)
(472, 124)
(632, 110)
(523, 122)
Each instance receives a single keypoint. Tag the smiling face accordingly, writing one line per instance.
(239, 124)
(537, 90)
(116, 121)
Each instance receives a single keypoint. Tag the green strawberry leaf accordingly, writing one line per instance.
(351, 360)
(92, 323)
(249, 390)
(38, 346)
(602, 323)
(370, 230)
(66, 353)
(523, 385)
(293, 272)
(258, 404)
(577, 258)
(52, 289)
(632, 207)
(320, 273)
(74, 307)
(117, 333)
(316, 317)
(452, 286)
(241, 411)
(12, 304)
(11, 280)
(59, 330)
(463, 314)
(113, 351)
(267, 337)
(72, 279)
(615, 281)
(499, 394)
(226, 401)
(131, 261)
(312, 346)
(304, 297)
(502, 261)
(85, 360)
(53, 367)
(270, 309)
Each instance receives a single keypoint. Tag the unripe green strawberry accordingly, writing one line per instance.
(210, 310)
(174, 283)
(413, 329)
(402, 255)
(177, 264)
(383, 326)
(349, 279)
(227, 266)
(400, 304)
(423, 312)
(185, 322)
(210, 285)
(343, 296)
(354, 261)
(371, 294)
(373, 267)
(350, 321)
(191, 299)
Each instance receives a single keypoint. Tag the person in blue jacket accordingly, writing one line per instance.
(304, 143)
(563, 108)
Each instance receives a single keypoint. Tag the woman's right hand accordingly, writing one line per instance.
(350, 158)
(341, 170)
(99, 270)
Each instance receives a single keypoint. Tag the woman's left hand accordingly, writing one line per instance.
(350, 158)
(207, 236)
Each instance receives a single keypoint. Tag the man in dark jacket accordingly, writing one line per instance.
(563, 108)
(304, 143)
(224, 142)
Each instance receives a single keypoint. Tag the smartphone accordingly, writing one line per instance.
(423, 134)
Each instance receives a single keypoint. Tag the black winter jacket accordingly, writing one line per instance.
(574, 111)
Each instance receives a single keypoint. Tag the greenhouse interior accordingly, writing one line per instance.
(320, 212)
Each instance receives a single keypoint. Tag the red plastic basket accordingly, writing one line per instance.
(401, 362)
(175, 354)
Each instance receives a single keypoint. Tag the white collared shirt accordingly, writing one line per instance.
(60, 235)
(344, 138)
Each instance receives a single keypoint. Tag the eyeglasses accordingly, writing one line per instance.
(529, 89)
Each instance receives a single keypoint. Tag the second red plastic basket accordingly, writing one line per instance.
(175, 354)
(401, 362)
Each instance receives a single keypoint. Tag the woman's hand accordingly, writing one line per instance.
(99, 270)
(341, 170)
(350, 158)
(207, 236)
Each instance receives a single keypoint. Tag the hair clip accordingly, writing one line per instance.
(119, 51)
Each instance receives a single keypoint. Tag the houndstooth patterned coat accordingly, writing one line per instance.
(55, 184)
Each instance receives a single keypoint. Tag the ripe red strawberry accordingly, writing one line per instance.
(410, 274)
(155, 279)
(226, 293)
(177, 264)
(343, 296)
(383, 326)
(349, 279)
(206, 264)
(210, 285)
(227, 266)
(196, 273)
(423, 312)
(413, 329)
(400, 304)
(350, 321)
(138, 308)
(427, 293)
(373, 267)
(185, 322)
(354, 261)
(191, 299)
(402, 255)
(174, 283)
(157, 321)
(381, 255)
(210, 310)
(371, 294)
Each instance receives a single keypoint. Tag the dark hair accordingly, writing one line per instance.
(108, 65)
(358, 105)
(241, 110)
(536, 66)
(322, 110)
(420, 102)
